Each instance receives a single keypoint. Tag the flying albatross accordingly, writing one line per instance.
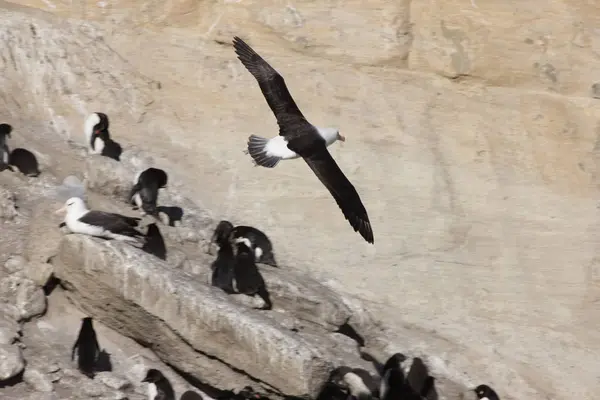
(299, 138)
(107, 225)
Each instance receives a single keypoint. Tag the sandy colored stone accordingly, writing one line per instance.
(15, 263)
(38, 380)
(9, 329)
(38, 272)
(7, 205)
(11, 361)
(477, 164)
(24, 294)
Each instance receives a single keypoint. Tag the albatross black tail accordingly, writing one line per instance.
(257, 150)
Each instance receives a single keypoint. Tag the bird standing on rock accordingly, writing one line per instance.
(484, 392)
(87, 347)
(107, 225)
(299, 138)
(25, 161)
(98, 137)
(144, 193)
(159, 387)
(258, 241)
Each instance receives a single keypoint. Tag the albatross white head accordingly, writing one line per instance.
(331, 135)
(74, 208)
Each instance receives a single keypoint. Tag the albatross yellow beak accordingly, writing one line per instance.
(341, 138)
(61, 210)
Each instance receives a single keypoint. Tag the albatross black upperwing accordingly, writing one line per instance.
(115, 223)
(131, 221)
(272, 86)
(344, 193)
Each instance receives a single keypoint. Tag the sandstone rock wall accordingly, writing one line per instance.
(472, 138)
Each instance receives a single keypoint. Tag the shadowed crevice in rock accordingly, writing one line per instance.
(210, 390)
(15, 380)
(52, 283)
(104, 363)
(198, 383)
(347, 330)
(370, 358)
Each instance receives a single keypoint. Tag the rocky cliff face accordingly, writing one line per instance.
(472, 133)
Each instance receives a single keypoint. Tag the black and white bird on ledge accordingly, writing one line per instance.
(80, 219)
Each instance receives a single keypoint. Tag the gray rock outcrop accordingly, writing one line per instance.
(11, 361)
(198, 328)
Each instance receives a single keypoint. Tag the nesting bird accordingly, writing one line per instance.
(246, 276)
(80, 219)
(25, 161)
(144, 193)
(235, 271)
(98, 137)
(299, 138)
(223, 266)
(159, 387)
(416, 385)
(484, 392)
(189, 395)
(88, 349)
(257, 240)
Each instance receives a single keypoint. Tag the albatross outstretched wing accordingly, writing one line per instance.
(272, 86)
(344, 193)
(115, 223)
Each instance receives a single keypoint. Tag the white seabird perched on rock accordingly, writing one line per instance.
(80, 219)
(299, 138)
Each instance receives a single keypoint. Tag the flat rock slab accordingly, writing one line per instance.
(188, 323)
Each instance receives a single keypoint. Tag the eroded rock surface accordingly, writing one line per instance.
(472, 140)
(184, 320)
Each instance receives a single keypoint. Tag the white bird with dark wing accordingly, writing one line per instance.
(299, 138)
(80, 219)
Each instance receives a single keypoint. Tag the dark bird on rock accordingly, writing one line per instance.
(144, 193)
(98, 137)
(87, 347)
(393, 383)
(189, 395)
(247, 278)
(223, 266)
(159, 387)
(259, 242)
(417, 375)
(299, 138)
(25, 161)
(484, 392)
